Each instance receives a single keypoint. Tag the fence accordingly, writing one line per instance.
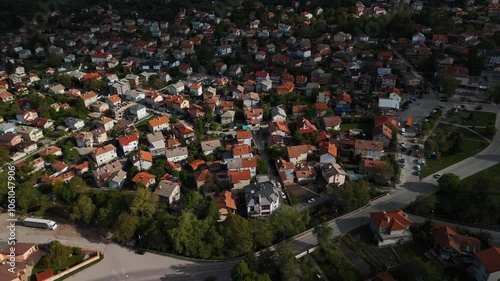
(76, 267)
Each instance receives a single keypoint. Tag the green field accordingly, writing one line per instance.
(492, 172)
(472, 144)
(471, 118)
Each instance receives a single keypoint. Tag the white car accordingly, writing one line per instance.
(283, 195)
(437, 176)
(418, 168)
(402, 144)
(312, 200)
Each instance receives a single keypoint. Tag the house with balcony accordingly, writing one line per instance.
(156, 143)
(334, 174)
(390, 227)
(105, 154)
(343, 103)
(29, 133)
(84, 139)
(129, 143)
(261, 199)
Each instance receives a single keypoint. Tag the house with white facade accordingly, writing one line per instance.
(129, 143)
(177, 154)
(368, 149)
(327, 153)
(105, 154)
(391, 227)
(170, 191)
(334, 174)
(261, 199)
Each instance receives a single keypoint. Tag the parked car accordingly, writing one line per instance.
(437, 176)
(283, 195)
(479, 107)
(312, 200)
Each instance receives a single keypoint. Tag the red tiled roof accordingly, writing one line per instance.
(328, 148)
(490, 259)
(126, 140)
(446, 236)
(394, 220)
(143, 177)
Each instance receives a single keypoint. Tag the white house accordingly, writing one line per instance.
(139, 111)
(298, 154)
(278, 113)
(101, 57)
(84, 139)
(105, 154)
(176, 154)
(74, 124)
(209, 146)
(261, 199)
(143, 160)
(390, 227)
(169, 190)
(158, 124)
(334, 174)
(129, 143)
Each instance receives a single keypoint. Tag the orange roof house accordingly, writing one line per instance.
(285, 88)
(328, 148)
(197, 163)
(390, 227)
(450, 243)
(226, 202)
(144, 178)
(489, 260)
(305, 126)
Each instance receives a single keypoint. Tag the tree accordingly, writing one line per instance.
(449, 182)
(324, 234)
(144, 203)
(287, 221)
(238, 235)
(125, 226)
(188, 237)
(65, 80)
(83, 210)
(78, 185)
(261, 167)
(27, 196)
(57, 255)
(97, 84)
(448, 84)
(4, 155)
(424, 204)
(241, 272)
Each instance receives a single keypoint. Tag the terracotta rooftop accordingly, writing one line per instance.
(394, 220)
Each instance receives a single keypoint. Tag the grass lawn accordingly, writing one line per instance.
(471, 118)
(365, 126)
(491, 172)
(472, 144)
(472, 147)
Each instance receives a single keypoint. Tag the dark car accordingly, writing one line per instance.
(409, 152)
(403, 149)
(479, 107)
(140, 252)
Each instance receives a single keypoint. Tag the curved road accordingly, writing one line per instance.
(122, 264)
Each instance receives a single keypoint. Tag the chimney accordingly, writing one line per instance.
(384, 212)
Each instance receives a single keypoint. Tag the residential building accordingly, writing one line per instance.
(210, 146)
(368, 149)
(7, 128)
(105, 154)
(169, 190)
(305, 175)
(244, 137)
(261, 199)
(144, 178)
(448, 243)
(117, 180)
(298, 154)
(327, 153)
(84, 139)
(343, 103)
(142, 160)
(156, 143)
(227, 118)
(383, 134)
(226, 201)
(389, 121)
(88, 98)
(487, 264)
(129, 143)
(105, 123)
(74, 124)
(139, 111)
(196, 89)
(177, 154)
(305, 126)
(29, 133)
(332, 122)
(239, 179)
(99, 106)
(279, 128)
(391, 227)
(278, 113)
(334, 174)
(159, 124)
(240, 164)
(100, 135)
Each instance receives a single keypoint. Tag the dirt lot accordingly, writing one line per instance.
(298, 194)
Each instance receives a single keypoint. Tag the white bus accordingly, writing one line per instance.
(41, 223)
